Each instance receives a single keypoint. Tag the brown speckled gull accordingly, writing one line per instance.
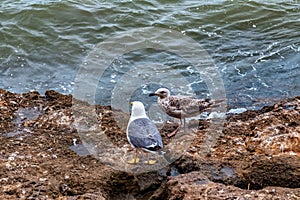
(182, 107)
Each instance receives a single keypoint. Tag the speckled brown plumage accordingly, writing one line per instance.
(182, 107)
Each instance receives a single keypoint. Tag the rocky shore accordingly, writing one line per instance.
(255, 156)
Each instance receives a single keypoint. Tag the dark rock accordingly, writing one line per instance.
(254, 155)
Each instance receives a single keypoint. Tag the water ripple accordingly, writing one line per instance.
(255, 44)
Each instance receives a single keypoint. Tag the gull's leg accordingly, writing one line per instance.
(135, 158)
(176, 130)
(149, 162)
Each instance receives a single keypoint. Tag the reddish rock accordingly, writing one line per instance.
(253, 155)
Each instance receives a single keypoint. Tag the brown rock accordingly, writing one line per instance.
(253, 155)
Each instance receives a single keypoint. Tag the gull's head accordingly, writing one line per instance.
(161, 93)
(138, 109)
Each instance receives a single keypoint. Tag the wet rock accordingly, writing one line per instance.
(253, 155)
(195, 185)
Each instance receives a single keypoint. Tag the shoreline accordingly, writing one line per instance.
(256, 156)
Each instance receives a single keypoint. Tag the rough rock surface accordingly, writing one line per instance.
(253, 155)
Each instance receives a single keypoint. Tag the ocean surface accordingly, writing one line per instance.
(255, 47)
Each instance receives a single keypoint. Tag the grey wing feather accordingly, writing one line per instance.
(143, 133)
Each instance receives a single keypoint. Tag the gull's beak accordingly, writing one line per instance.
(152, 94)
(131, 103)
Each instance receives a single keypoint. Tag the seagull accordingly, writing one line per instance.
(142, 133)
(181, 107)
